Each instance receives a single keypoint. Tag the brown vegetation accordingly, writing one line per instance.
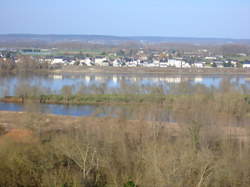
(208, 145)
(23, 64)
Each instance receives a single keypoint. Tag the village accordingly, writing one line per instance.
(140, 58)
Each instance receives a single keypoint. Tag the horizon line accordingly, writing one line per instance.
(128, 36)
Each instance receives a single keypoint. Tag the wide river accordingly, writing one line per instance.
(55, 82)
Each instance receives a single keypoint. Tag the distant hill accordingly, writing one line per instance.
(114, 40)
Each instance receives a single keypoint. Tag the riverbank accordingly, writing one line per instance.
(135, 70)
(115, 99)
(154, 70)
(90, 99)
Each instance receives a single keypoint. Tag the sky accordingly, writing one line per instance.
(170, 18)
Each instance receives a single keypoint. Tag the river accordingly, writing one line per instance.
(55, 82)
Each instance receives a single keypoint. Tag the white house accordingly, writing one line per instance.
(105, 63)
(156, 63)
(87, 62)
(198, 65)
(100, 60)
(186, 65)
(72, 62)
(163, 64)
(117, 63)
(47, 60)
(234, 63)
(57, 61)
(144, 64)
(151, 65)
(246, 65)
(219, 64)
(178, 63)
(132, 63)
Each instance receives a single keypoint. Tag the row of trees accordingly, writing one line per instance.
(22, 63)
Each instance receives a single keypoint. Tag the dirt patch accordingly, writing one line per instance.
(19, 136)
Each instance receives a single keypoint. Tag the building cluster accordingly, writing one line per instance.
(140, 59)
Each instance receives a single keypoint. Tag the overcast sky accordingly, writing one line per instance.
(179, 18)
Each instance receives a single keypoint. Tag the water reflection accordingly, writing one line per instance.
(55, 82)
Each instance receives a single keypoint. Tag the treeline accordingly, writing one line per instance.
(22, 63)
